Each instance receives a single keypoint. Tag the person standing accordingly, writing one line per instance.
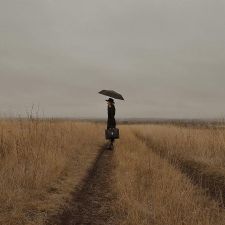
(111, 123)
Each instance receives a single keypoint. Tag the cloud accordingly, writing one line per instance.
(165, 57)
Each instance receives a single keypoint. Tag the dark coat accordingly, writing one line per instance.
(111, 123)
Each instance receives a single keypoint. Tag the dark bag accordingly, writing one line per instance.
(112, 133)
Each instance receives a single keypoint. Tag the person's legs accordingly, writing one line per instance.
(112, 141)
(110, 144)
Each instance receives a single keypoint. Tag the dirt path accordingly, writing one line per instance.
(92, 203)
(200, 174)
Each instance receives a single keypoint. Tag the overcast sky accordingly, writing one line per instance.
(167, 58)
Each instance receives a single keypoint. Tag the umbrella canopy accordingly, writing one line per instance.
(111, 94)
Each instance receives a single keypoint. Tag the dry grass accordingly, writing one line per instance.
(198, 153)
(154, 192)
(203, 145)
(40, 163)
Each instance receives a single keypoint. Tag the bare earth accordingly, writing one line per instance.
(92, 203)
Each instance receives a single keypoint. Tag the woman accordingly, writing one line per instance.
(111, 123)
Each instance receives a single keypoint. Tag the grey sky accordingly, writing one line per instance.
(166, 57)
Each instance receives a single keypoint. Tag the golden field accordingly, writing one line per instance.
(159, 174)
(41, 162)
(154, 188)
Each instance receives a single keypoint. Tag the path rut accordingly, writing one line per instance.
(92, 203)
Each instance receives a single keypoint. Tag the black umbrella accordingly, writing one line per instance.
(111, 94)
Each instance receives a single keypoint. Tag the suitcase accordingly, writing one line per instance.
(112, 133)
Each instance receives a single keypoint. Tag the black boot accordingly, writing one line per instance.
(110, 146)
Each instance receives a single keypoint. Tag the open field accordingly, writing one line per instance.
(199, 153)
(59, 172)
(40, 163)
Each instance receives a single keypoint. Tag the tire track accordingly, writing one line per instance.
(92, 203)
(200, 174)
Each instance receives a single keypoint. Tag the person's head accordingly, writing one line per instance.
(110, 101)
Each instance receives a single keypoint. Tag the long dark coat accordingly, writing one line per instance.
(111, 123)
